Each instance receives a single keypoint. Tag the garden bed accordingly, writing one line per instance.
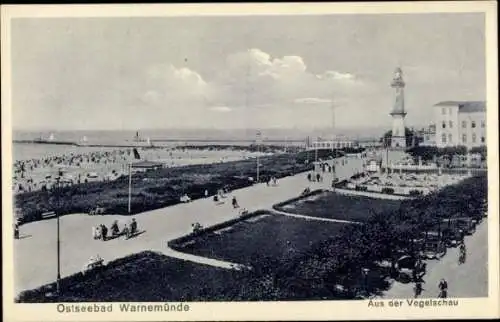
(342, 207)
(143, 277)
(276, 237)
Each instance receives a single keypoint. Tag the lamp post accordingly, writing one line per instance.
(58, 283)
(364, 272)
(258, 141)
(333, 125)
(316, 155)
(386, 139)
(129, 187)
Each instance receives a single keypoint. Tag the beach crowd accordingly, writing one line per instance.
(74, 168)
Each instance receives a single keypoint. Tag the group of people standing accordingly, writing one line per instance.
(272, 181)
(101, 231)
(311, 178)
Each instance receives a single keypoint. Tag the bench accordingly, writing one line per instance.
(49, 214)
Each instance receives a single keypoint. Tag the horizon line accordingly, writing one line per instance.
(208, 129)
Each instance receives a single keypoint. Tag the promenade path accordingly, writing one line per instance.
(466, 280)
(35, 256)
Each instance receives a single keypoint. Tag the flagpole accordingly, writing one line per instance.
(129, 186)
(258, 138)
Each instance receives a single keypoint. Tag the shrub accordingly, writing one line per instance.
(388, 190)
(415, 193)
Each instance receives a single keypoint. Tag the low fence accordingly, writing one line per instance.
(176, 243)
(437, 171)
(381, 190)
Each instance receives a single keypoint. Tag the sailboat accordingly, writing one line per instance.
(83, 140)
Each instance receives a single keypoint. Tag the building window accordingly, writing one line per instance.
(483, 124)
(450, 138)
(473, 124)
(473, 137)
(451, 124)
(464, 138)
(443, 111)
(444, 125)
(443, 138)
(483, 139)
(464, 124)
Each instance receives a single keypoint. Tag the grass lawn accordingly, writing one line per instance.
(338, 206)
(144, 277)
(260, 238)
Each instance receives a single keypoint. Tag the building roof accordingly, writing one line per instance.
(465, 106)
(146, 164)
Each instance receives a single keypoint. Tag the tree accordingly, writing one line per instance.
(410, 135)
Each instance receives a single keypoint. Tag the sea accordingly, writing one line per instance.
(163, 138)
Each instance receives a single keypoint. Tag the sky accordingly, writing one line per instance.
(240, 72)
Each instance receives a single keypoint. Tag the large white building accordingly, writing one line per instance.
(460, 123)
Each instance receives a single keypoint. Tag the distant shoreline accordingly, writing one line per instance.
(138, 144)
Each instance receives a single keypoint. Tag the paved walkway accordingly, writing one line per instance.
(35, 258)
(466, 280)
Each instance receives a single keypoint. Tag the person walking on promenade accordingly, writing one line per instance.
(16, 231)
(133, 226)
(206, 193)
(418, 288)
(115, 231)
(462, 254)
(235, 203)
(104, 232)
(443, 288)
(318, 177)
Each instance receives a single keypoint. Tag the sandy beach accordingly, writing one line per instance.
(38, 166)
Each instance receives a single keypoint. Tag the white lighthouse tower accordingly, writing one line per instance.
(398, 113)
